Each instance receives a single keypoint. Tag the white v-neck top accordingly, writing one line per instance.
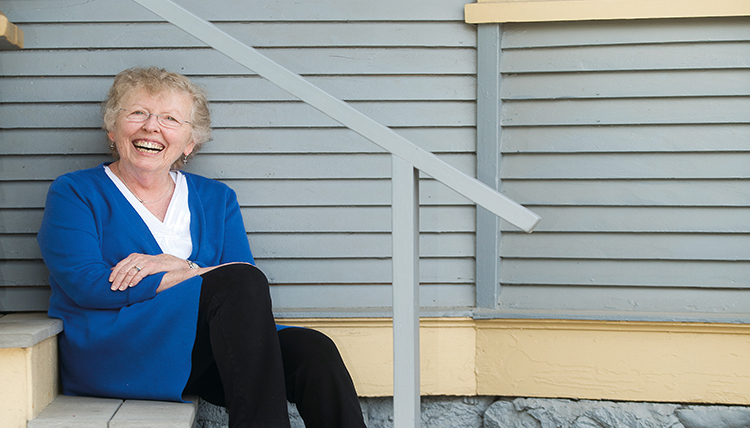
(172, 235)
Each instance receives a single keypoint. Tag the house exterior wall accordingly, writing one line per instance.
(315, 196)
(646, 191)
(629, 138)
(627, 135)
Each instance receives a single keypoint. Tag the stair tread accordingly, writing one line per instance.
(24, 330)
(91, 412)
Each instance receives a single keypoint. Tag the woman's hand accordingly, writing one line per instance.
(133, 268)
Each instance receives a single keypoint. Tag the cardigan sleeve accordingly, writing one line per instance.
(72, 247)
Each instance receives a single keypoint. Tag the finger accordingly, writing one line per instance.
(135, 277)
(124, 278)
(122, 267)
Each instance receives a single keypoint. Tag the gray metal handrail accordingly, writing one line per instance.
(408, 159)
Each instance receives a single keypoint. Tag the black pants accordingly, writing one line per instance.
(241, 362)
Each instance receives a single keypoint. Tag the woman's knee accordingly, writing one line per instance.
(237, 280)
(304, 347)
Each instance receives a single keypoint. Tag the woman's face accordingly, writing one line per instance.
(150, 146)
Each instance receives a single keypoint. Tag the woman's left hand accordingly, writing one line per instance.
(133, 268)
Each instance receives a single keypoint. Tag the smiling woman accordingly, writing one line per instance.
(132, 84)
(151, 272)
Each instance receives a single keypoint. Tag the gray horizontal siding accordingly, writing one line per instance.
(54, 11)
(235, 140)
(257, 34)
(595, 33)
(50, 89)
(315, 196)
(255, 114)
(203, 61)
(282, 193)
(630, 140)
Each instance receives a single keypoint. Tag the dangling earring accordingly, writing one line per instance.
(111, 145)
(184, 159)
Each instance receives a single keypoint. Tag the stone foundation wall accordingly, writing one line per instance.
(497, 412)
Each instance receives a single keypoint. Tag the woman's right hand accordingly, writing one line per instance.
(133, 268)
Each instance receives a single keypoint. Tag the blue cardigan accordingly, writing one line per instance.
(133, 343)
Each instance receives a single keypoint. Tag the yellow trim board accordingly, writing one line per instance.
(662, 362)
(630, 361)
(447, 351)
(11, 37)
(484, 12)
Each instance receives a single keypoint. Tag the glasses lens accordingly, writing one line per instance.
(137, 116)
(141, 116)
(168, 121)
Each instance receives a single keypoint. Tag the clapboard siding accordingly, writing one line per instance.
(54, 11)
(297, 193)
(317, 244)
(204, 61)
(594, 33)
(254, 114)
(629, 138)
(237, 140)
(644, 219)
(256, 34)
(303, 271)
(636, 84)
(677, 56)
(636, 193)
(315, 196)
(49, 89)
(623, 138)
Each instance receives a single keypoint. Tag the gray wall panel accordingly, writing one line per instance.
(256, 34)
(629, 138)
(314, 195)
(237, 10)
(205, 61)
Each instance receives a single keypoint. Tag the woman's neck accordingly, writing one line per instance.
(144, 186)
(153, 190)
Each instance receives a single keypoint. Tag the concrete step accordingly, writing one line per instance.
(28, 366)
(89, 412)
(29, 396)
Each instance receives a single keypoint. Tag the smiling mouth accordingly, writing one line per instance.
(148, 147)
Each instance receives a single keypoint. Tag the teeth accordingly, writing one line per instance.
(149, 146)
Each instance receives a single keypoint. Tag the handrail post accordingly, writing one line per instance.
(405, 220)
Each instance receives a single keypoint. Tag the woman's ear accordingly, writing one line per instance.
(189, 149)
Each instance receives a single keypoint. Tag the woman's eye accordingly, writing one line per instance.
(171, 119)
(138, 113)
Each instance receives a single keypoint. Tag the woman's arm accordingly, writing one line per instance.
(80, 239)
(175, 269)
(228, 230)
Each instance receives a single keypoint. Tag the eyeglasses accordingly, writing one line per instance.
(141, 116)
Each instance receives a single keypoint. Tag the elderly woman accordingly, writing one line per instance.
(153, 277)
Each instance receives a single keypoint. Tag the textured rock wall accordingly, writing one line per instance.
(492, 412)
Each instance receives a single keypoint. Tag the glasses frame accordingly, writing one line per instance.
(160, 119)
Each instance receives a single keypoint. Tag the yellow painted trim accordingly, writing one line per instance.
(447, 352)
(488, 11)
(633, 361)
(11, 37)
